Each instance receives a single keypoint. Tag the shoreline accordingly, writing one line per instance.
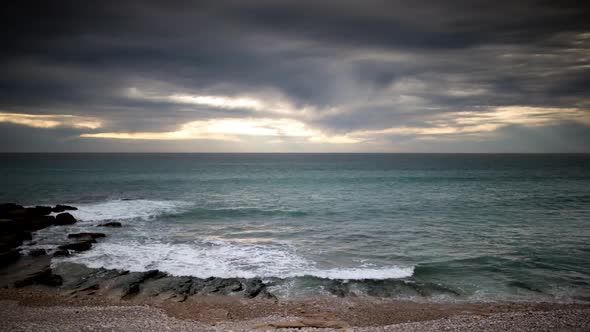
(38, 292)
(219, 313)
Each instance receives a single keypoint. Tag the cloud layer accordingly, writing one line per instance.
(280, 76)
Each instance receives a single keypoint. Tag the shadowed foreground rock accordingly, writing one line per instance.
(65, 219)
(78, 246)
(17, 223)
(113, 224)
(61, 208)
(86, 235)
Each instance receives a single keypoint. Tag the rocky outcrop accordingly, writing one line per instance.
(86, 235)
(61, 253)
(65, 219)
(111, 224)
(38, 210)
(9, 256)
(43, 277)
(17, 223)
(78, 246)
(37, 252)
(153, 284)
(61, 208)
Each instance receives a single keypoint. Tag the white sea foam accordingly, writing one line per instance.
(220, 258)
(393, 272)
(125, 209)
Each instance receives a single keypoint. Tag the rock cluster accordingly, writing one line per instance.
(18, 222)
(78, 279)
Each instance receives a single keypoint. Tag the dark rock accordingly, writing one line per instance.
(43, 277)
(130, 284)
(78, 246)
(61, 253)
(65, 219)
(221, 286)
(111, 224)
(61, 208)
(86, 235)
(10, 241)
(253, 287)
(10, 226)
(38, 222)
(9, 257)
(25, 222)
(7, 207)
(37, 252)
(38, 210)
(169, 286)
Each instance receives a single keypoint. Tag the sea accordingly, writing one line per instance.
(423, 227)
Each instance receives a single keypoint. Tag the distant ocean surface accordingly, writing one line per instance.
(434, 227)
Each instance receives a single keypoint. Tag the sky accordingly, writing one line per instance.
(295, 76)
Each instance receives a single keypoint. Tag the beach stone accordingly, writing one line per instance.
(305, 323)
(65, 219)
(61, 208)
(78, 246)
(86, 235)
(111, 224)
(37, 252)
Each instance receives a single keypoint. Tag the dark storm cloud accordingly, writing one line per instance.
(379, 63)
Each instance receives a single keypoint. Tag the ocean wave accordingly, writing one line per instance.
(225, 259)
(126, 209)
(241, 212)
(360, 273)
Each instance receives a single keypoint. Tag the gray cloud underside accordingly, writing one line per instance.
(380, 63)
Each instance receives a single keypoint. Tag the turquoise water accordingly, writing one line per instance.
(425, 226)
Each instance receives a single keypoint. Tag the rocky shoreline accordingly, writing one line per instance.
(17, 226)
(35, 283)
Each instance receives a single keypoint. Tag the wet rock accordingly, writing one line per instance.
(11, 240)
(65, 219)
(131, 283)
(38, 210)
(221, 286)
(253, 287)
(27, 236)
(172, 287)
(37, 252)
(86, 235)
(43, 277)
(10, 226)
(78, 246)
(8, 257)
(39, 222)
(111, 224)
(61, 253)
(8, 207)
(61, 208)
